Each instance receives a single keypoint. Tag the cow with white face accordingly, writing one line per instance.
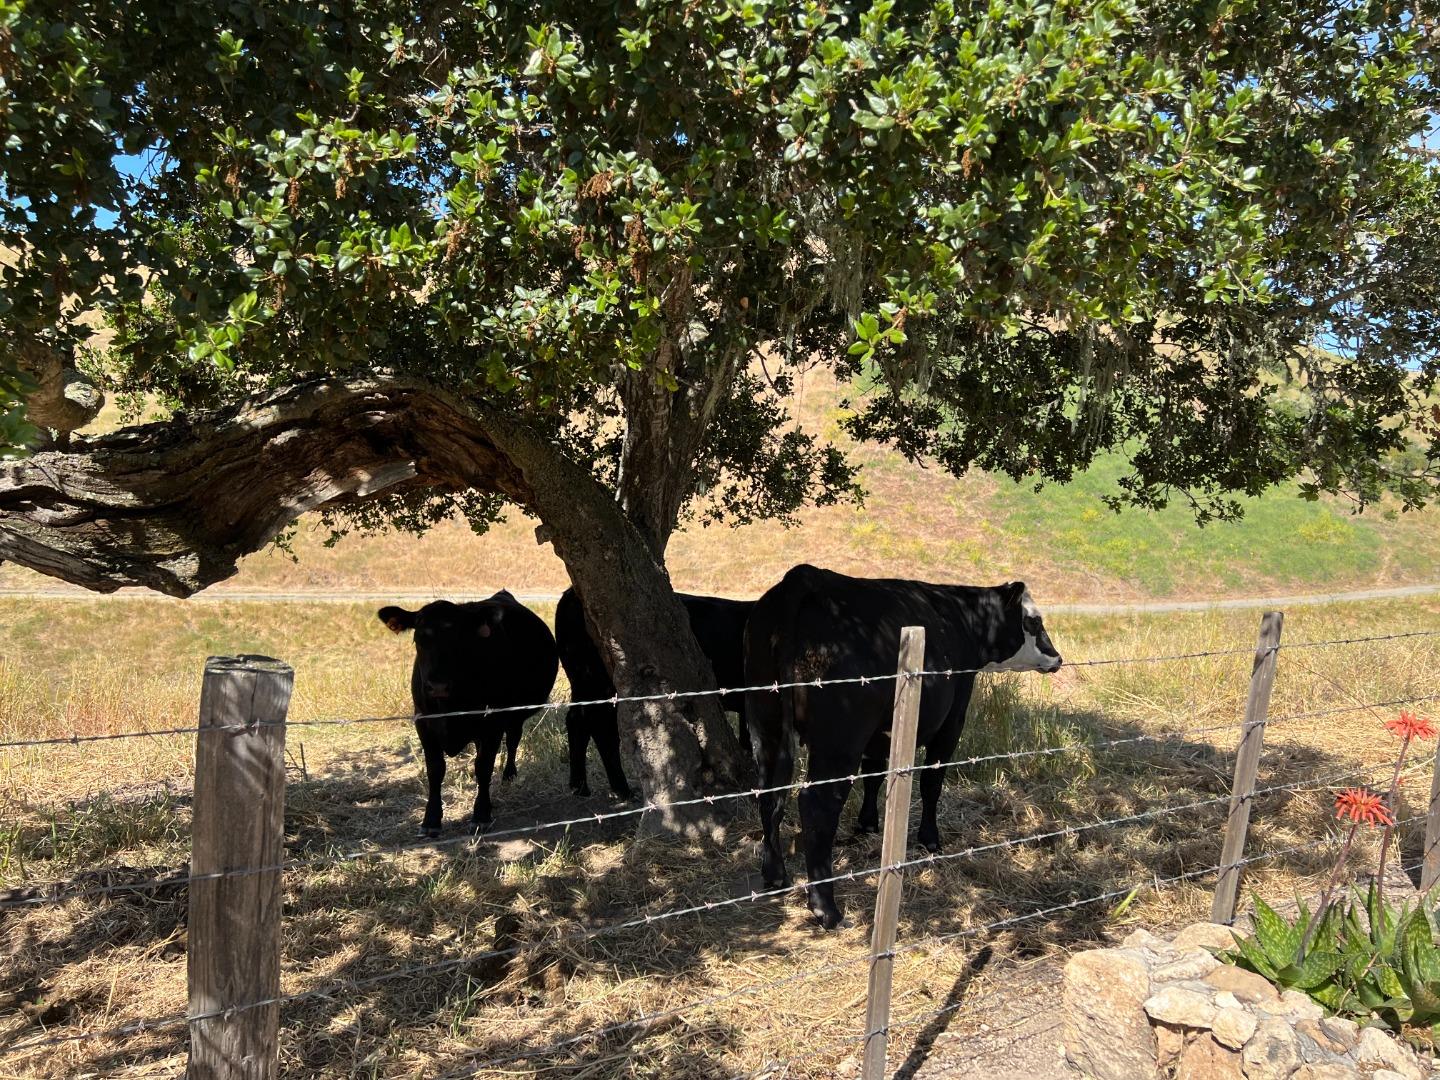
(819, 625)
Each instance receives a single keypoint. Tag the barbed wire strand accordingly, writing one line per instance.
(76, 739)
(644, 921)
(62, 892)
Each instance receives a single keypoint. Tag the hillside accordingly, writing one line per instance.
(916, 522)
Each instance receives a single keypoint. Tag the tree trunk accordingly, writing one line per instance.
(665, 428)
(684, 746)
(172, 506)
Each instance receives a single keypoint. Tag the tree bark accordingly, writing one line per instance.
(63, 399)
(665, 428)
(171, 506)
(684, 746)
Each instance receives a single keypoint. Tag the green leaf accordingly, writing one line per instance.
(1316, 969)
(1255, 958)
(1423, 997)
(1279, 939)
(1326, 935)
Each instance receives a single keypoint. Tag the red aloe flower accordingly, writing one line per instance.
(1361, 805)
(1410, 726)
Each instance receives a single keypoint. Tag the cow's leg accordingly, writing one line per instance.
(434, 778)
(869, 819)
(605, 730)
(775, 760)
(487, 749)
(512, 744)
(577, 731)
(941, 747)
(820, 806)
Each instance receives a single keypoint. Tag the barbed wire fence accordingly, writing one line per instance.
(240, 762)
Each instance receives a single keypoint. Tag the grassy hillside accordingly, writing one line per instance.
(919, 522)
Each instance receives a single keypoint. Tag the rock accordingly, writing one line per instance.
(1249, 987)
(1297, 1006)
(1233, 1027)
(1169, 1042)
(1193, 964)
(1226, 1000)
(1345, 1032)
(1204, 935)
(1316, 1033)
(1106, 1034)
(1273, 1052)
(1206, 1059)
(1385, 1074)
(1144, 939)
(1330, 1070)
(1181, 1007)
(1375, 1047)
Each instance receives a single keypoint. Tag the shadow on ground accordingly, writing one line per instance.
(463, 954)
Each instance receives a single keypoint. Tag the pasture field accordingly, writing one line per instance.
(116, 812)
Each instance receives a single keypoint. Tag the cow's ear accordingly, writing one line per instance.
(397, 618)
(1013, 591)
(489, 620)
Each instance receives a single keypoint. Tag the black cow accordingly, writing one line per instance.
(719, 627)
(489, 654)
(816, 624)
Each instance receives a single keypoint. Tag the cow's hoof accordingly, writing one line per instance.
(507, 776)
(477, 826)
(428, 832)
(782, 882)
(829, 919)
(625, 795)
(932, 846)
(583, 791)
(863, 830)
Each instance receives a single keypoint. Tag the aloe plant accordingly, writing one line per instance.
(1392, 965)
(1363, 959)
(1300, 955)
(1359, 957)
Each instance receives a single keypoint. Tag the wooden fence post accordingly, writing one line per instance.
(892, 849)
(238, 825)
(1247, 766)
(1430, 869)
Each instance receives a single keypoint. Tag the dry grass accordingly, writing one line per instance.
(119, 811)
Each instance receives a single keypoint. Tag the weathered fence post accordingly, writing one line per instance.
(1247, 766)
(892, 849)
(238, 825)
(1430, 869)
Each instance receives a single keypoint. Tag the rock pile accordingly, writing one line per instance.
(1154, 1009)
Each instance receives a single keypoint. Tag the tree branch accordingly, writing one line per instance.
(171, 506)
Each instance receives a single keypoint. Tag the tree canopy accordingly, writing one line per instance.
(1026, 231)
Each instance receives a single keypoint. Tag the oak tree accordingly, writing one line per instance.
(390, 263)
